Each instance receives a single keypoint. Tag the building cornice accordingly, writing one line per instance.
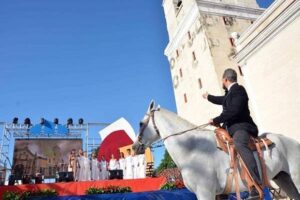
(252, 39)
(222, 9)
(260, 19)
(182, 29)
(208, 7)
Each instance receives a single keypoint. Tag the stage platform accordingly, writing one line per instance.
(79, 188)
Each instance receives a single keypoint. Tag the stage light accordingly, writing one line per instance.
(70, 122)
(42, 121)
(80, 121)
(15, 120)
(27, 121)
(55, 121)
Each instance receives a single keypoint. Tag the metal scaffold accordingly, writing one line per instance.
(12, 131)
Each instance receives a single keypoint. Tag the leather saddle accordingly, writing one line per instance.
(224, 139)
(238, 167)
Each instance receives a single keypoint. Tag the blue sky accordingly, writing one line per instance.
(99, 60)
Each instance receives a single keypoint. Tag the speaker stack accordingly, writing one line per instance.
(65, 177)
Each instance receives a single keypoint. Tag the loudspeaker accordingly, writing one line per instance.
(38, 179)
(11, 180)
(116, 174)
(70, 176)
(26, 179)
(65, 177)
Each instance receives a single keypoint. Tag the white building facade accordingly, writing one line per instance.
(269, 56)
(201, 46)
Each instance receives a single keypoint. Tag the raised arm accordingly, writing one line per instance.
(215, 99)
(234, 109)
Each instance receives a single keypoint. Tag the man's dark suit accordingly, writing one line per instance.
(237, 120)
(236, 114)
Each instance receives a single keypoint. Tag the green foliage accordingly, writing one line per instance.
(166, 163)
(173, 185)
(11, 196)
(42, 193)
(108, 190)
(168, 186)
(29, 194)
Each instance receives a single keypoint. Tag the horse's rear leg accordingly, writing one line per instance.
(284, 181)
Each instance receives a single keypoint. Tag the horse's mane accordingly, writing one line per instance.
(173, 117)
(193, 141)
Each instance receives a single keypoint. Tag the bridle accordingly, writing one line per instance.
(150, 116)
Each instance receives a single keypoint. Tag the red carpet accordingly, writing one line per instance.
(79, 188)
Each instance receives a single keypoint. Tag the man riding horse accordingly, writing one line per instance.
(237, 121)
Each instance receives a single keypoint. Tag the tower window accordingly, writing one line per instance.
(228, 21)
(200, 83)
(185, 98)
(177, 53)
(194, 56)
(179, 3)
(180, 72)
(177, 6)
(232, 42)
(225, 21)
(189, 35)
(240, 70)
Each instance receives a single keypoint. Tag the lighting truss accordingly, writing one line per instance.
(12, 131)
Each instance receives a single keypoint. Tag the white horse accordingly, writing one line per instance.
(204, 167)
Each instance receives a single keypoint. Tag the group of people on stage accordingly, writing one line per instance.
(133, 166)
(85, 169)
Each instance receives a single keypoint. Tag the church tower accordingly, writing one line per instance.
(201, 46)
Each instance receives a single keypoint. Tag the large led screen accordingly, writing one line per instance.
(45, 156)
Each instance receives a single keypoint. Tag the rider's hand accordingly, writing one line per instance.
(211, 122)
(205, 95)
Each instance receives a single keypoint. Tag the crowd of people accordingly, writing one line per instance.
(85, 169)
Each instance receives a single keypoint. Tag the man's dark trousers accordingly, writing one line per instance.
(241, 139)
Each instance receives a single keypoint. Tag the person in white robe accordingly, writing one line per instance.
(86, 176)
(113, 163)
(79, 163)
(95, 168)
(122, 163)
(103, 172)
(135, 162)
(72, 167)
(128, 165)
(142, 166)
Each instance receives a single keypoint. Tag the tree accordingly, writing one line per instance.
(166, 163)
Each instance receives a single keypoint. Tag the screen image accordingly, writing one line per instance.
(45, 156)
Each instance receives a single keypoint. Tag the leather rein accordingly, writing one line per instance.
(151, 117)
